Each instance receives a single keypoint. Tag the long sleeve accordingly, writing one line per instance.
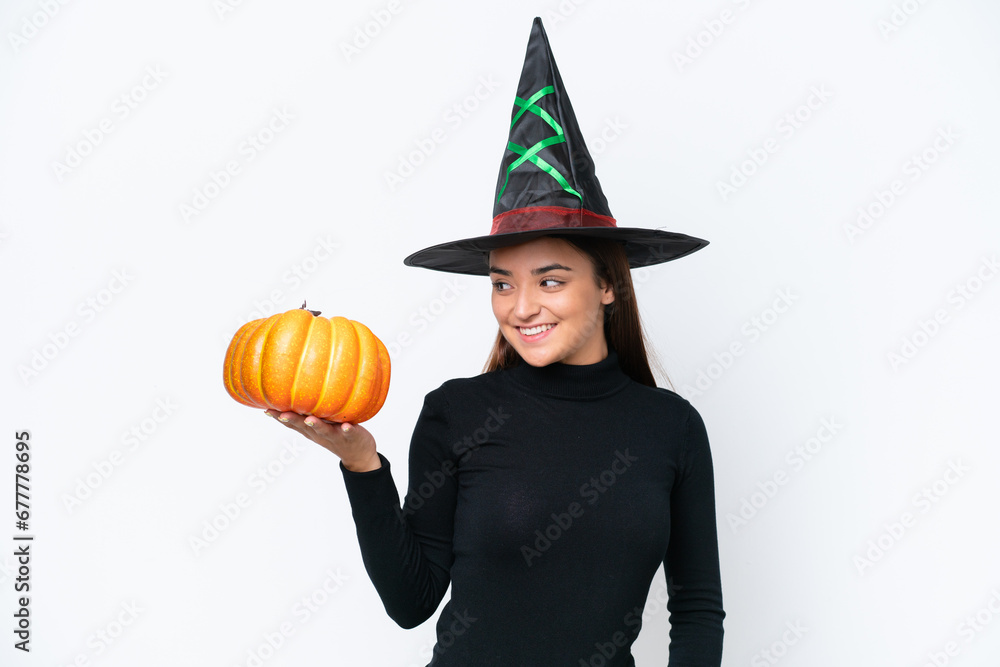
(407, 551)
(692, 561)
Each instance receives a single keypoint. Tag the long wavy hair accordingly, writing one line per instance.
(622, 323)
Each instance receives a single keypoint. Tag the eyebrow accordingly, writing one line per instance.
(540, 270)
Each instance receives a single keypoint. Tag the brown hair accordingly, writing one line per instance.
(622, 323)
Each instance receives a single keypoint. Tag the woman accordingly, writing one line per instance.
(547, 490)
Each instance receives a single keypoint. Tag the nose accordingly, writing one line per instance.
(526, 305)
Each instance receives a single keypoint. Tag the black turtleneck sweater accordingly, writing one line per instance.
(548, 497)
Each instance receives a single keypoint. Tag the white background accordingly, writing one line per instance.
(664, 133)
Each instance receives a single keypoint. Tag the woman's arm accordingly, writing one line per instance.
(407, 550)
(692, 562)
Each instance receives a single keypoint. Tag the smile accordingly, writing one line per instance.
(534, 333)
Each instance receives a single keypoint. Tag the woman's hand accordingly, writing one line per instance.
(351, 442)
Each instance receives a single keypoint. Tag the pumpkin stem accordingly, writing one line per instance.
(314, 312)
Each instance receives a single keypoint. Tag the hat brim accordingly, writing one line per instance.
(644, 247)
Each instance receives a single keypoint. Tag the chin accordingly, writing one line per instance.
(535, 357)
(536, 360)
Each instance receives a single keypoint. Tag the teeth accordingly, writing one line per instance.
(536, 330)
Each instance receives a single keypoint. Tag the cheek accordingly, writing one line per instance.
(497, 305)
(567, 305)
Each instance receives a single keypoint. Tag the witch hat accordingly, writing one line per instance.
(547, 183)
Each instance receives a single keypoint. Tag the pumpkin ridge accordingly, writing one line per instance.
(302, 358)
(329, 363)
(252, 327)
(347, 348)
(385, 368)
(359, 391)
(260, 365)
(255, 362)
(230, 363)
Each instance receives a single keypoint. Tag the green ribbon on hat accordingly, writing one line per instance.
(530, 154)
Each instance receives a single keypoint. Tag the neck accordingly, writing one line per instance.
(572, 381)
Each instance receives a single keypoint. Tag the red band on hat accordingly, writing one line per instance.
(547, 217)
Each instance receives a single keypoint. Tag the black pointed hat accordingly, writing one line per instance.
(547, 183)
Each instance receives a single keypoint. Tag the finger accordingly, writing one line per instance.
(283, 417)
(320, 427)
(292, 420)
(326, 428)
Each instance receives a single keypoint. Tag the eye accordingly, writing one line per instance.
(497, 283)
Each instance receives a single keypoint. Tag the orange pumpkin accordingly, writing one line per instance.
(296, 361)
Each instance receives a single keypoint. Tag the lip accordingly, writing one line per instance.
(536, 337)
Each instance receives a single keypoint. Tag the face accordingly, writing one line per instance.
(548, 283)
